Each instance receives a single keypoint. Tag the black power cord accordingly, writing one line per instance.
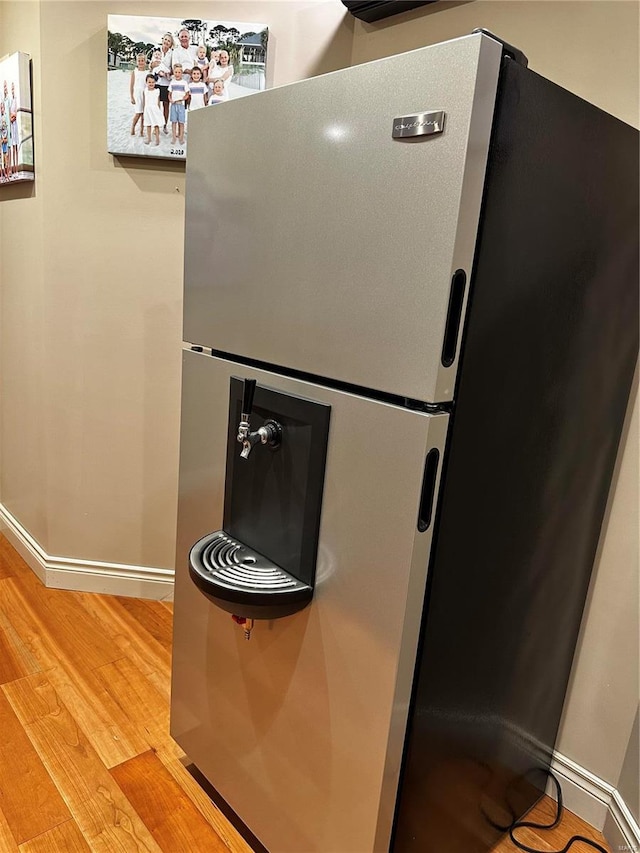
(515, 825)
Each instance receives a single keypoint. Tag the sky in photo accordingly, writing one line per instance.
(141, 28)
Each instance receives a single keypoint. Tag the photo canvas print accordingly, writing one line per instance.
(16, 124)
(159, 70)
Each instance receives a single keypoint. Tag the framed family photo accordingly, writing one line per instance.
(16, 120)
(159, 70)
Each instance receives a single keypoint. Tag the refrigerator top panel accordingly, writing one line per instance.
(321, 238)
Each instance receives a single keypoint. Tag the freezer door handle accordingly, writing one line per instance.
(425, 512)
(454, 316)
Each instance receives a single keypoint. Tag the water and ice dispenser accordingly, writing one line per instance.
(262, 564)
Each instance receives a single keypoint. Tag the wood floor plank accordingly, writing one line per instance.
(103, 814)
(28, 660)
(16, 611)
(10, 561)
(7, 841)
(161, 680)
(133, 641)
(29, 800)
(62, 616)
(155, 618)
(525, 836)
(141, 702)
(232, 838)
(6, 570)
(108, 728)
(16, 660)
(65, 837)
(171, 817)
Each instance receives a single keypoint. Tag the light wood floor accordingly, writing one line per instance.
(86, 760)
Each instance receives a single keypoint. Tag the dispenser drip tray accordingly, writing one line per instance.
(243, 581)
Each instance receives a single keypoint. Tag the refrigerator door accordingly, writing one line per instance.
(317, 241)
(301, 729)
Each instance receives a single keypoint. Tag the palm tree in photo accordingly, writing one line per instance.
(195, 26)
(115, 46)
(217, 35)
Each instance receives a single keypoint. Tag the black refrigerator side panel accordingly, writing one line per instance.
(547, 365)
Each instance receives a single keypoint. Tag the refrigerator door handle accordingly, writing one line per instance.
(425, 512)
(454, 316)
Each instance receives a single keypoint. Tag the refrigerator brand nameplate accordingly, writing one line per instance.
(422, 124)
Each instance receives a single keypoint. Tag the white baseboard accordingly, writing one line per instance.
(86, 575)
(583, 793)
(615, 839)
(597, 802)
(625, 824)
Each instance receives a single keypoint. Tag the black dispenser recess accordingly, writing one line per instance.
(262, 564)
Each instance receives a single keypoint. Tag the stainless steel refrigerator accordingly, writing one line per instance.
(410, 331)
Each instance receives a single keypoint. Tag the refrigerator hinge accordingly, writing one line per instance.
(508, 49)
(430, 408)
(198, 348)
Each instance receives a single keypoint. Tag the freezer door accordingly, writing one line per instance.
(301, 729)
(317, 241)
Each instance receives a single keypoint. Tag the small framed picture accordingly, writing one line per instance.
(16, 120)
(159, 70)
